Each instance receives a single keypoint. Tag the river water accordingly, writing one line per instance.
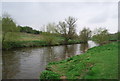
(28, 63)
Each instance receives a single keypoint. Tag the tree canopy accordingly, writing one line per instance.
(8, 25)
(67, 28)
(27, 29)
(85, 34)
(101, 36)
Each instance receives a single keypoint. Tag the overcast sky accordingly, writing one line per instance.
(89, 14)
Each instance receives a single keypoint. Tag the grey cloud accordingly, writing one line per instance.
(37, 14)
(99, 18)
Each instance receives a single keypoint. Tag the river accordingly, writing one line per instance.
(28, 63)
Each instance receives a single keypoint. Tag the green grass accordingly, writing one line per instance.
(97, 63)
(16, 40)
(50, 75)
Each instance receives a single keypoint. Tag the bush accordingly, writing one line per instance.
(16, 44)
(10, 44)
(49, 75)
(28, 29)
(85, 35)
(6, 45)
(101, 37)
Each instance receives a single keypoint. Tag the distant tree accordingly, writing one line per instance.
(43, 28)
(101, 36)
(67, 28)
(114, 36)
(51, 27)
(85, 35)
(50, 39)
(8, 25)
(71, 23)
(36, 32)
(27, 29)
(118, 36)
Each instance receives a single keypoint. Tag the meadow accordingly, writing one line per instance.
(18, 40)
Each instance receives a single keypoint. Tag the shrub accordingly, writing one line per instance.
(49, 75)
(101, 37)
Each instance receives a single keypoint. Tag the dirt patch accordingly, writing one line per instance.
(63, 77)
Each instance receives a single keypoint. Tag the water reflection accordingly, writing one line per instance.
(28, 63)
(84, 47)
(0, 64)
(59, 52)
(10, 62)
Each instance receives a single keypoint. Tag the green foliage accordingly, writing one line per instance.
(73, 41)
(67, 28)
(27, 29)
(12, 36)
(49, 75)
(97, 63)
(50, 40)
(101, 37)
(115, 36)
(32, 40)
(8, 25)
(6, 45)
(85, 34)
(51, 27)
(36, 32)
(18, 44)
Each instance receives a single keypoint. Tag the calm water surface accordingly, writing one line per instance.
(28, 63)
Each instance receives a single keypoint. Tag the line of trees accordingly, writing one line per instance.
(27, 29)
(66, 29)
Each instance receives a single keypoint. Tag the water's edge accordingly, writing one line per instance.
(28, 63)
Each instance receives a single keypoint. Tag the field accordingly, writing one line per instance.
(97, 63)
(15, 40)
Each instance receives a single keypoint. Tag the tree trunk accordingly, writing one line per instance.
(66, 40)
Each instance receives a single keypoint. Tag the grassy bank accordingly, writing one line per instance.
(97, 63)
(32, 40)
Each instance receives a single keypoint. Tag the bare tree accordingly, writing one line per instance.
(71, 26)
(42, 28)
(67, 28)
(51, 27)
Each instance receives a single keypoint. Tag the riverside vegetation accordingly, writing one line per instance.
(97, 63)
(14, 36)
